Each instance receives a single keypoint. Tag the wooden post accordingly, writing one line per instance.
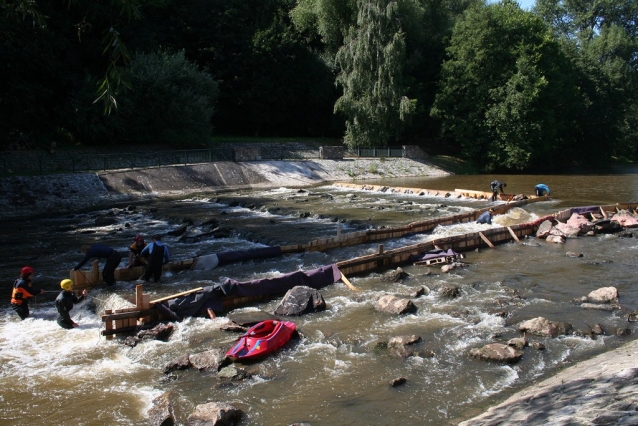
(484, 238)
(380, 249)
(108, 325)
(96, 271)
(603, 212)
(338, 231)
(513, 234)
(139, 295)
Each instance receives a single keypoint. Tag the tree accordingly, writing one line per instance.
(172, 104)
(505, 96)
(371, 63)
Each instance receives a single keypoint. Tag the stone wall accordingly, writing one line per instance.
(331, 152)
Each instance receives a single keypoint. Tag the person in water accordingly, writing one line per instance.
(158, 256)
(23, 290)
(495, 186)
(135, 257)
(64, 303)
(101, 251)
(541, 189)
(486, 217)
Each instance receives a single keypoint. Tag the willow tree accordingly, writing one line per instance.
(371, 63)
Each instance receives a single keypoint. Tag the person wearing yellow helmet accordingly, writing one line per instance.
(486, 217)
(64, 303)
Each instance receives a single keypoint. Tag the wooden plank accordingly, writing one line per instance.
(347, 282)
(602, 211)
(173, 296)
(513, 234)
(484, 238)
(108, 317)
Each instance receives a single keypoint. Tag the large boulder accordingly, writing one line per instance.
(394, 276)
(215, 414)
(603, 295)
(497, 352)
(161, 412)
(557, 239)
(543, 327)
(301, 300)
(393, 305)
(180, 363)
(209, 360)
(625, 219)
(543, 229)
(580, 222)
(565, 230)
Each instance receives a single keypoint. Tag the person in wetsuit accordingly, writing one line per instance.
(158, 256)
(486, 217)
(64, 303)
(23, 290)
(135, 257)
(495, 186)
(101, 251)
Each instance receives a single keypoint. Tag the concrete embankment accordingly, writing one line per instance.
(36, 195)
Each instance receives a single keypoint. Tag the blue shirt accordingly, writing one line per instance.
(542, 187)
(485, 217)
(99, 251)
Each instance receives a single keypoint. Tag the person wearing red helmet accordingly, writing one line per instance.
(135, 257)
(23, 290)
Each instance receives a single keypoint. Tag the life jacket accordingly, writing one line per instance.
(137, 251)
(20, 295)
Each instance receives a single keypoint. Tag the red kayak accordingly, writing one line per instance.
(262, 339)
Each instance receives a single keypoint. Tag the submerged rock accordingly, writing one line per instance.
(215, 414)
(497, 352)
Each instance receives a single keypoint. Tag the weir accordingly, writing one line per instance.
(130, 319)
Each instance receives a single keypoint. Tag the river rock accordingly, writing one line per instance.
(543, 327)
(452, 266)
(178, 231)
(603, 295)
(161, 412)
(230, 372)
(301, 300)
(497, 352)
(394, 276)
(625, 219)
(543, 229)
(597, 329)
(573, 254)
(557, 239)
(601, 306)
(404, 340)
(607, 226)
(393, 305)
(209, 360)
(398, 382)
(580, 222)
(518, 342)
(180, 363)
(215, 414)
(623, 332)
(105, 221)
(448, 290)
(566, 230)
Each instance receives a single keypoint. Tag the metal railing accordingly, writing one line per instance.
(376, 152)
(16, 163)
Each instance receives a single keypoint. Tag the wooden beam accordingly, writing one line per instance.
(173, 296)
(513, 234)
(484, 238)
(347, 282)
(603, 212)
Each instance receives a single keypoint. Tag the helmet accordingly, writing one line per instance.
(139, 239)
(491, 210)
(66, 284)
(26, 270)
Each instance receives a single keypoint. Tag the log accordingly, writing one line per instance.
(173, 296)
(484, 238)
(513, 234)
(347, 282)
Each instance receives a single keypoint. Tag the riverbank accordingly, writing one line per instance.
(22, 197)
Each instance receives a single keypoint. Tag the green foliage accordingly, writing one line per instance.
(497, 97)
(371, 65)
(172, 104)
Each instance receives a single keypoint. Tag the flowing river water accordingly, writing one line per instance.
(339, 372)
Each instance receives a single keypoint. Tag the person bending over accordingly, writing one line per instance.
(101, 251)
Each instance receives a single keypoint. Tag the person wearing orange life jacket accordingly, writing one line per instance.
(23, 290)
(64, 303)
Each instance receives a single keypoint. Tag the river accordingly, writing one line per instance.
(338, 373)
